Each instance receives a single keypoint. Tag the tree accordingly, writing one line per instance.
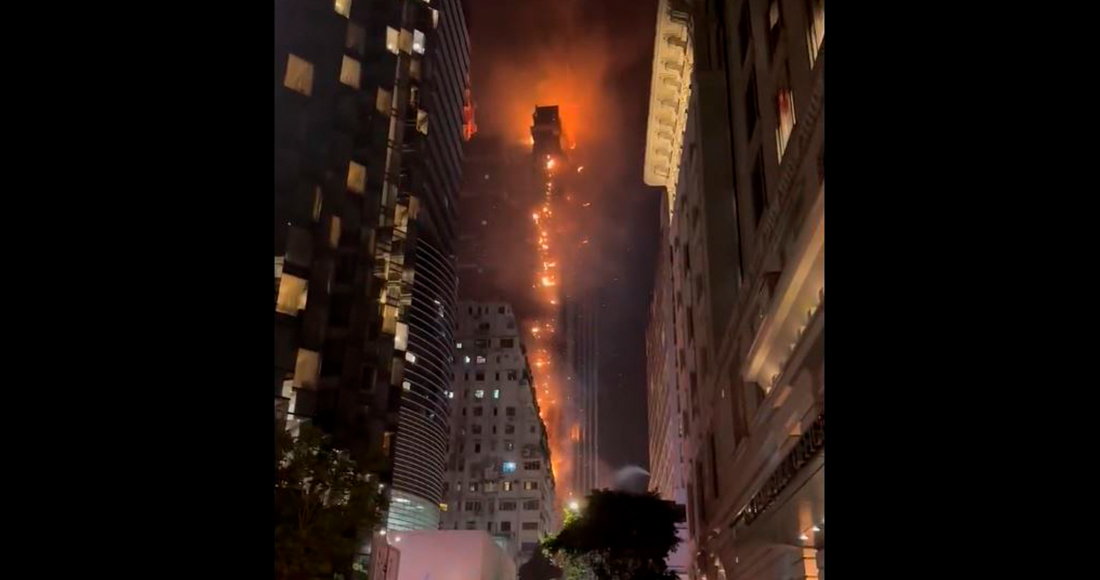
(325, 503)
(619, 536)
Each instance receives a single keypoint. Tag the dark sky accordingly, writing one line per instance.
(593, 59)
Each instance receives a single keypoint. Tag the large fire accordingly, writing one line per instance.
(548, 379)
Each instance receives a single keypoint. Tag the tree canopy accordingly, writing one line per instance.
(620, 535)
(324, 505)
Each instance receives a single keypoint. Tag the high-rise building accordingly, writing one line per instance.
(746, 234)
(499, 476)
(368, 135)
(580, 317)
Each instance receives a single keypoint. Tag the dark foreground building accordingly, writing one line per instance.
(369, 100)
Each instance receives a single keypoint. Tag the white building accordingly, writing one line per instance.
(451, 555)
(499, 477)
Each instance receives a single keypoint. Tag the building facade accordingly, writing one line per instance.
(364, 191)
(499, 477)
(747, 241)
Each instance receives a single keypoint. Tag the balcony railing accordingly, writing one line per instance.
(808, 446)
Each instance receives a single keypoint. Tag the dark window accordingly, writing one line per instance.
(476, 429)
(510, 411)
(759, 194)
(471, 525)
(530, 525)
(505, 526)
(500, 309)
(510, 429)
(496, 411)
(531, 504)
(532, 465)
(507, 343)
(513, 375)
(480, 376)
(489, 527)
(713, 467)
(481, 343)
(479, 411)
(775, 26)
(744, 30)
(752, 107)
(507, 506)
(477, 447)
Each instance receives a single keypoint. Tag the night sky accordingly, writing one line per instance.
(593, 59)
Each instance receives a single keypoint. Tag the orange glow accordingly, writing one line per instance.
(550, 164)
(580, 169)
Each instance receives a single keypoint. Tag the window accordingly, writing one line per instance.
(489, 527)
(383, 101)
(480, 376)
(744, 30)
(500, 310)
(498, 373)
(405, 41)
(490, 487)
(531, 504)
(530, 525)
(507, 343)
(299, 75)
(507, 506)
(815, 32)
(531, 428)
(356, 40)
(466, 360)
(775, 26)
(473, 506)
(343, 7)
(510, 411)
(293, 292)
(350, 71)
(495, 411)
(496, 393)
(478, 411)
(471, 525)
(507, 485)
(476, 429)
(784, 106)
(484, 326)
(391, 39)
(306, 369)
(357, 177)
(509, 445)
(479, 394)
(532, 465)
(458, 345)
(473, 487)
(508, 467)
(513, 375)
(477, 447)
(480, 359)
(505, 526)
(530, 485)
(419, 44)
(752, 107)
(759, 196)
(481, 343)
(509, 429)
(317, 203)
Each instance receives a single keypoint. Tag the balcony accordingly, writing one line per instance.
(796, 299)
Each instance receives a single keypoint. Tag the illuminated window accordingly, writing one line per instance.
(292, 295)
(299, 75)
(775, 26)
(530, 485)
(422, 121)
(507, 485)
(490, 487)
(466, 360)
(479, 394)
(334, 232)
(458, 345)
(317, 201)
(357, 177)
(410, 357)
(405, 41)
(480, 359)
(306, 369)
(391, 40)
(356, 40)
(509, 445)
(350, 71)
(343, 7)
(496, 393)
(418, 42)
(784, 103)
(401, 337)
(513, 375)
(815, 32)
(384, 101)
